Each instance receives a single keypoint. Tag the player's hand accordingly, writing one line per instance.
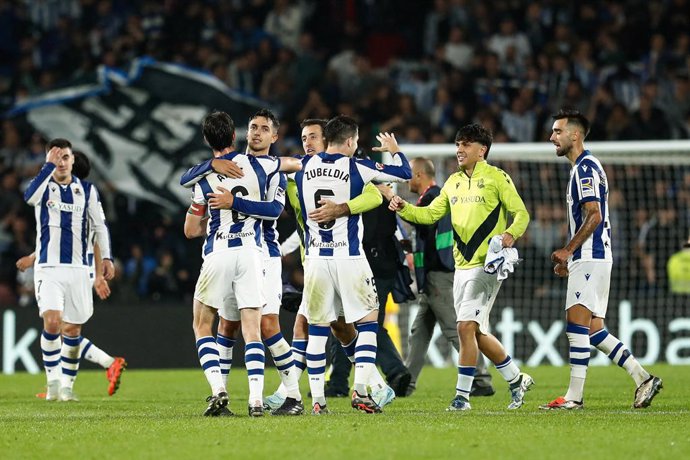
(386, 191)
(221, 200)
(388, 143)
(561, 270)
(396, 203)
(560, 256)
(329, 211)
(26, 262)
(100, 285)
(227, 168)
(53, 155)
(507, 240)
(108, 269)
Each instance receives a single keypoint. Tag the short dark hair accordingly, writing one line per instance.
(60, 143)
(218, 130)
(313, 121)
(339, 129)
(475, 132)
(267, 114)
(82, 165)
(574, 117)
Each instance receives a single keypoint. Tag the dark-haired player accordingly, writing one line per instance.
(479, 198)
(587, 260)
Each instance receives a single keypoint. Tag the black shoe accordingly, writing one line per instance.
(225, 412)
(410, 389)
(400, 382)
(216, 403)
(364, 403)
(290, 407)
(255, 411)
(480, 390)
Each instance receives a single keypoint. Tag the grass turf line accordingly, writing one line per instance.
(157, 414)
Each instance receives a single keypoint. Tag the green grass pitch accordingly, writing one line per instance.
(157, 414)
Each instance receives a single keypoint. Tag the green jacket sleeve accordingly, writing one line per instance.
(427, 215)
(514, 205)
(293, 198)
(369, 199)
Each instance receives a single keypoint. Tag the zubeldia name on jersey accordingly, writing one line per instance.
(327, 172)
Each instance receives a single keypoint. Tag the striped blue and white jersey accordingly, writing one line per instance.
(588, 183)
(339, 178)
(276, 194)
(232, 229)
(65, 215)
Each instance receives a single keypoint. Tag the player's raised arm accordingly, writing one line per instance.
(399, 171)
(221, 166)
(290, 164)
(38, 184)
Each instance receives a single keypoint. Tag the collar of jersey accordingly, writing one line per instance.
(330, 156)
(74, 181)
(229, 156)
(582, 157)
(478, 170)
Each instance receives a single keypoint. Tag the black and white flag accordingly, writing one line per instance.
(140, 129)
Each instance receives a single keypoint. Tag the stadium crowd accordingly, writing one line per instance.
(420, 69)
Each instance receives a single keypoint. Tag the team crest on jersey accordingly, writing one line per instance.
(453, 200)
(77, 191)
(379, 166)
(480, 184)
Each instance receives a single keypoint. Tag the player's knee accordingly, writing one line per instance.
(71, 330)
(467, 329)
(52, 325)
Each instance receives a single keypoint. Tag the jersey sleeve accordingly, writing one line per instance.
(98, 224)
(371, 170)
(588, 181)
(513, 204)
(269, 209)
(198, 195)
(427, 215)
(38, 185)
(370, 199)
(196, 173)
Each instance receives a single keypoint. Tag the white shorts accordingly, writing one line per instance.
(273, 285)
(474, 293)
(65, 289)
(588, 285)
(332, 286)
(231, 280)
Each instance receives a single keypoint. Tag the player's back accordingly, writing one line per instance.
(228, 229)
(333, 177)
